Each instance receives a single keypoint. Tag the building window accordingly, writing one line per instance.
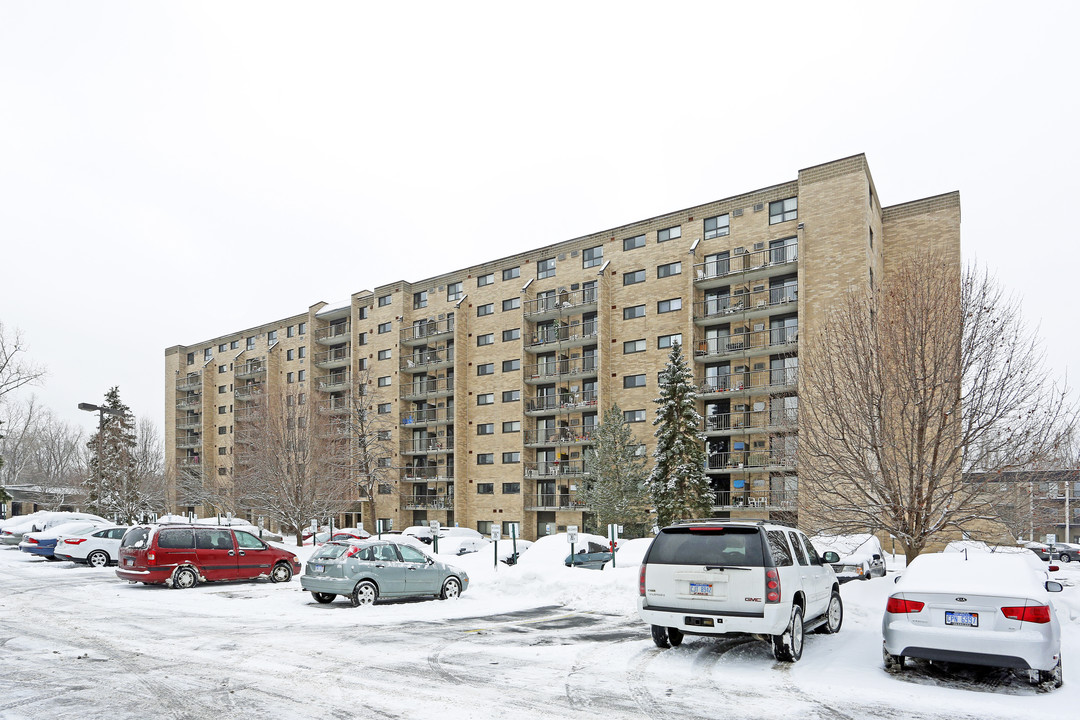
(511, 395)
(208, 354)
(453, 291)
(301, 352)
(271, 337)
(301, 398)
(485, 459)
(512, 426)
(483, 280)
(545, 268)
(385, 327)
(361, 313)
(483, 527)
(419, 300)
(663, 271)
(485, 488)
(222, 430)
(221, 410)
(384, 462)
(485, 339)
(511, 365)
(514, 334)
(289, 332)
(384, 300)
(485, 429)
(221, 389)
(666, 341)
(633, 243)
(511, 273)
(361, 364)
(783, 210)
(634, 416)
(384, 408)
(222, 368)
(633, 277)
(666, 306)
(221, 451)
(289, 377)
(591, 257)
(361, 339)
(384, 381)
(301, 328)
(634, 311)
(251, 343)
(383, 435)
(511, 304)
(301, 376)
(633, 381)
(384, 354)
(670, 233)
(718, 226)
(485, 369)
(483, 310)
(290, 354)
(191, 358)
(511, 488)
(223, 347)
(633, 346)
(485, 399)
(234, 345)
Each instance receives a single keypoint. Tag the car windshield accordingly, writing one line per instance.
(331, 551)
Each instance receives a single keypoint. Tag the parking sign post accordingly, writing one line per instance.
(496, 535)
(571, 537)
(434, 525)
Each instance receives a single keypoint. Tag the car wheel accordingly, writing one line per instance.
(184, 578)
(1064, 557)
(787, 646)
(281, 573)
(364, 593)
(323, 598)
(660, 636)
(450, 589)
(675, 636)
(98, 558)
(834, 616)
(893, 663)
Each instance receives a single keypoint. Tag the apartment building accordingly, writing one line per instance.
(495, 376)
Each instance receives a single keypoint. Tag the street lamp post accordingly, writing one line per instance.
(102, 412)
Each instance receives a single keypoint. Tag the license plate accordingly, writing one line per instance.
(700, 588)
(318, 568)
(961, 618)
(129, 561)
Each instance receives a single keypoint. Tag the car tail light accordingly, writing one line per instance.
(1028, 613)
(900, 605)
(641, 581)
(31, 540)
(1054, 568)
(150, 557)
(772, 585)
(74, 541)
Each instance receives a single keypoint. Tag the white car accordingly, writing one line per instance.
(96, 546)
(861, 557)
(12, 534)
(720, 577)
(977, 608)
(44, 543)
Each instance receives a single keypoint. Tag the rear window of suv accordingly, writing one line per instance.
(135, 537)
(707, 546)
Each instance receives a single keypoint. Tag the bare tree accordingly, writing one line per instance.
(21, 422)
(906, 389)
(15, 369)
(148, 471)
(58, 464)
(368, 445)
(290, 465)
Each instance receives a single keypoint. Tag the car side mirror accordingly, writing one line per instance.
(876, 556)
(1052, 586)
(830, 557)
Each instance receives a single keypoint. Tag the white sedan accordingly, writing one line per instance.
(96, 547)
(977, 608)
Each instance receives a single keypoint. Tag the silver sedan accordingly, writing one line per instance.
(367, 570)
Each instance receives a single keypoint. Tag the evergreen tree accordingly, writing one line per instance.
(615, 492)
(677, 483)
(111, 487)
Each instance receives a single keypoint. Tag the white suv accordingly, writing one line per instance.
(719, 577)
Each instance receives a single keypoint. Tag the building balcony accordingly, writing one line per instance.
(189, 442)
(575, 435)
(249, 391)
(775, 340)
(189, 383)
(333, 358)
(561, 403)
(188, 462)
(189, 422)
(334, 406)
(429, 502)
(426, 360)
(744, 385)
(746, 267)
(755, 499)
(428, 417)
(428, 473)
(425, 388)
(551, 371)
(745, 306)
(555, 501)
(335, 382)
(245, 414)
(191, 401)
(555, 305)
(567, 335)
(424, 331)
(251, 370)
(751, 461)
(335, 334)
(750, 421)
(428, 446)
(555, 469)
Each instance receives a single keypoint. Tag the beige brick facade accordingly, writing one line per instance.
(498, 373)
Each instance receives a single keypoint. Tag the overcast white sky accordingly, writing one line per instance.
(302, 144)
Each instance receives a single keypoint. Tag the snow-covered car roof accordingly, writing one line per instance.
(858, 545)
(68, 528)
(995, 574)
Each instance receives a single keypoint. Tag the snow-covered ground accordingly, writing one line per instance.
(536, 640)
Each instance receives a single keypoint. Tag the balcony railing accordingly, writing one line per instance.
(426, 329)
(439, 416)
(334, 406)
(423, 359)
(428, 386)
(334, 357)
(750, 420)
(750, 460)
(189, 382)
(561, 401)
(430, 473)
(247, 392)
(428, 445)
(763, 499)
(191, 401)
(724, 305)
(560, 436)
(335, 381)
(555, 468)
(567, 332)
(188, 442)
(746, 262)
(332, 334)
(250, 369)
(769, 381)
(556, 501)
(778, 338)
(429, 502)
(568, 367)
(188, 462)
(560, 302)
(189, 422)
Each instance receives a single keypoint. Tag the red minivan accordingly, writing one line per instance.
(182, 555)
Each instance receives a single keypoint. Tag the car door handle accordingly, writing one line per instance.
(411, 567)
(231, 553)
(242, 552)
(380, 566)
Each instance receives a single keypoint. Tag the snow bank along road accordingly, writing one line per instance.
(532, 641)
